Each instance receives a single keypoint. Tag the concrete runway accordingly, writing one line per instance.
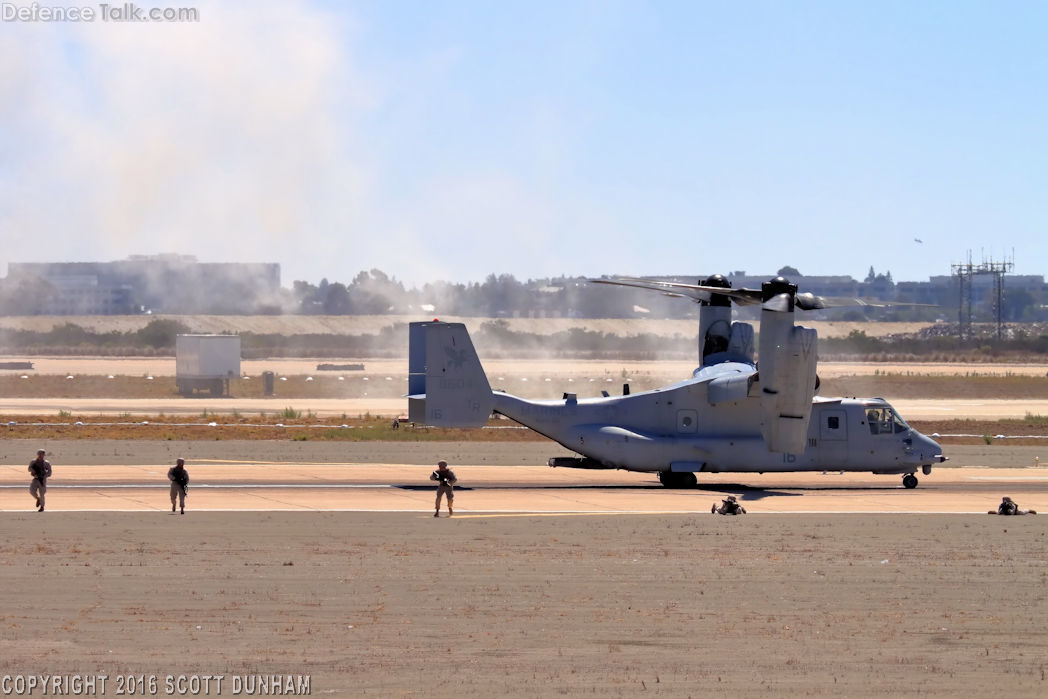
(322, 407)
(960, 409)
(253, 486)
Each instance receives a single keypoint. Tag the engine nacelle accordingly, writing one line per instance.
(788, 357)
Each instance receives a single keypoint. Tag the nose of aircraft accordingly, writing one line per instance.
(927, 451)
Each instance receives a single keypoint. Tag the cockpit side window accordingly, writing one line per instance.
(882, 421)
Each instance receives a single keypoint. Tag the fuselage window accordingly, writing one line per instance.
(834, 423)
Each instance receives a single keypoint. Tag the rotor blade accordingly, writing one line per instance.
(805, 301)
(810, 302)
(743, 297)
(663, 288)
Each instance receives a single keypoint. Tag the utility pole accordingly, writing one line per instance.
(966, 273)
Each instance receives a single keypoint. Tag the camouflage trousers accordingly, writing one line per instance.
(38, 490)
(449, 491)
(177, 493)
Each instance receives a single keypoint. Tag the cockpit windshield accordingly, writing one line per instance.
(899, 422)
(884, 420)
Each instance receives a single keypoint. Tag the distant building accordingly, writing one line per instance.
(141, 283)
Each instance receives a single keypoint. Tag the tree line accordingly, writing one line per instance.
(373, 292)
(495, 338)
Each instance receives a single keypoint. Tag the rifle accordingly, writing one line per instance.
(38, 473)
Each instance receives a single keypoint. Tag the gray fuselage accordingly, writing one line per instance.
(712, 423)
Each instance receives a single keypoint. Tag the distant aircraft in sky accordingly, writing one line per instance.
(918, 240)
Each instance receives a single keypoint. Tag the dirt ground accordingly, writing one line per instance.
(519, 604)
(406, 605)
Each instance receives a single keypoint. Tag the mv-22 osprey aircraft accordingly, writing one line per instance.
(733, 415)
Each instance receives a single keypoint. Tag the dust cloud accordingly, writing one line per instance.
(230, 138)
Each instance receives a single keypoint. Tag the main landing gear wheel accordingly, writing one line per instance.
(910, 481)
(672, 479)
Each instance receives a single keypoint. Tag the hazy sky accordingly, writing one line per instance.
(452, 140)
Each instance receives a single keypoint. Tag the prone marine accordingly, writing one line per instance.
(729, 506)
(1009, 507)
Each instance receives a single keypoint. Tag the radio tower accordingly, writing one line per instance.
(965, 273)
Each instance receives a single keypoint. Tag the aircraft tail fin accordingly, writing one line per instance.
(447, 386)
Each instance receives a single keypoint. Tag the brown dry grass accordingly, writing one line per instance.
(526, 382)
(305, 427)
(280, 426)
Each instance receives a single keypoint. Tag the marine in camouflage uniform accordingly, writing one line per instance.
(729, 506)
(179, 477)
(1009, 507)
(446, 480)
(41, 470)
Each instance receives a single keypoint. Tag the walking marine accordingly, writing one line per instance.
(41, 471)
(446, 480)
(179, 477)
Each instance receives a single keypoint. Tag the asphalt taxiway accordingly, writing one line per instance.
(911, 409)
(253, 486)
